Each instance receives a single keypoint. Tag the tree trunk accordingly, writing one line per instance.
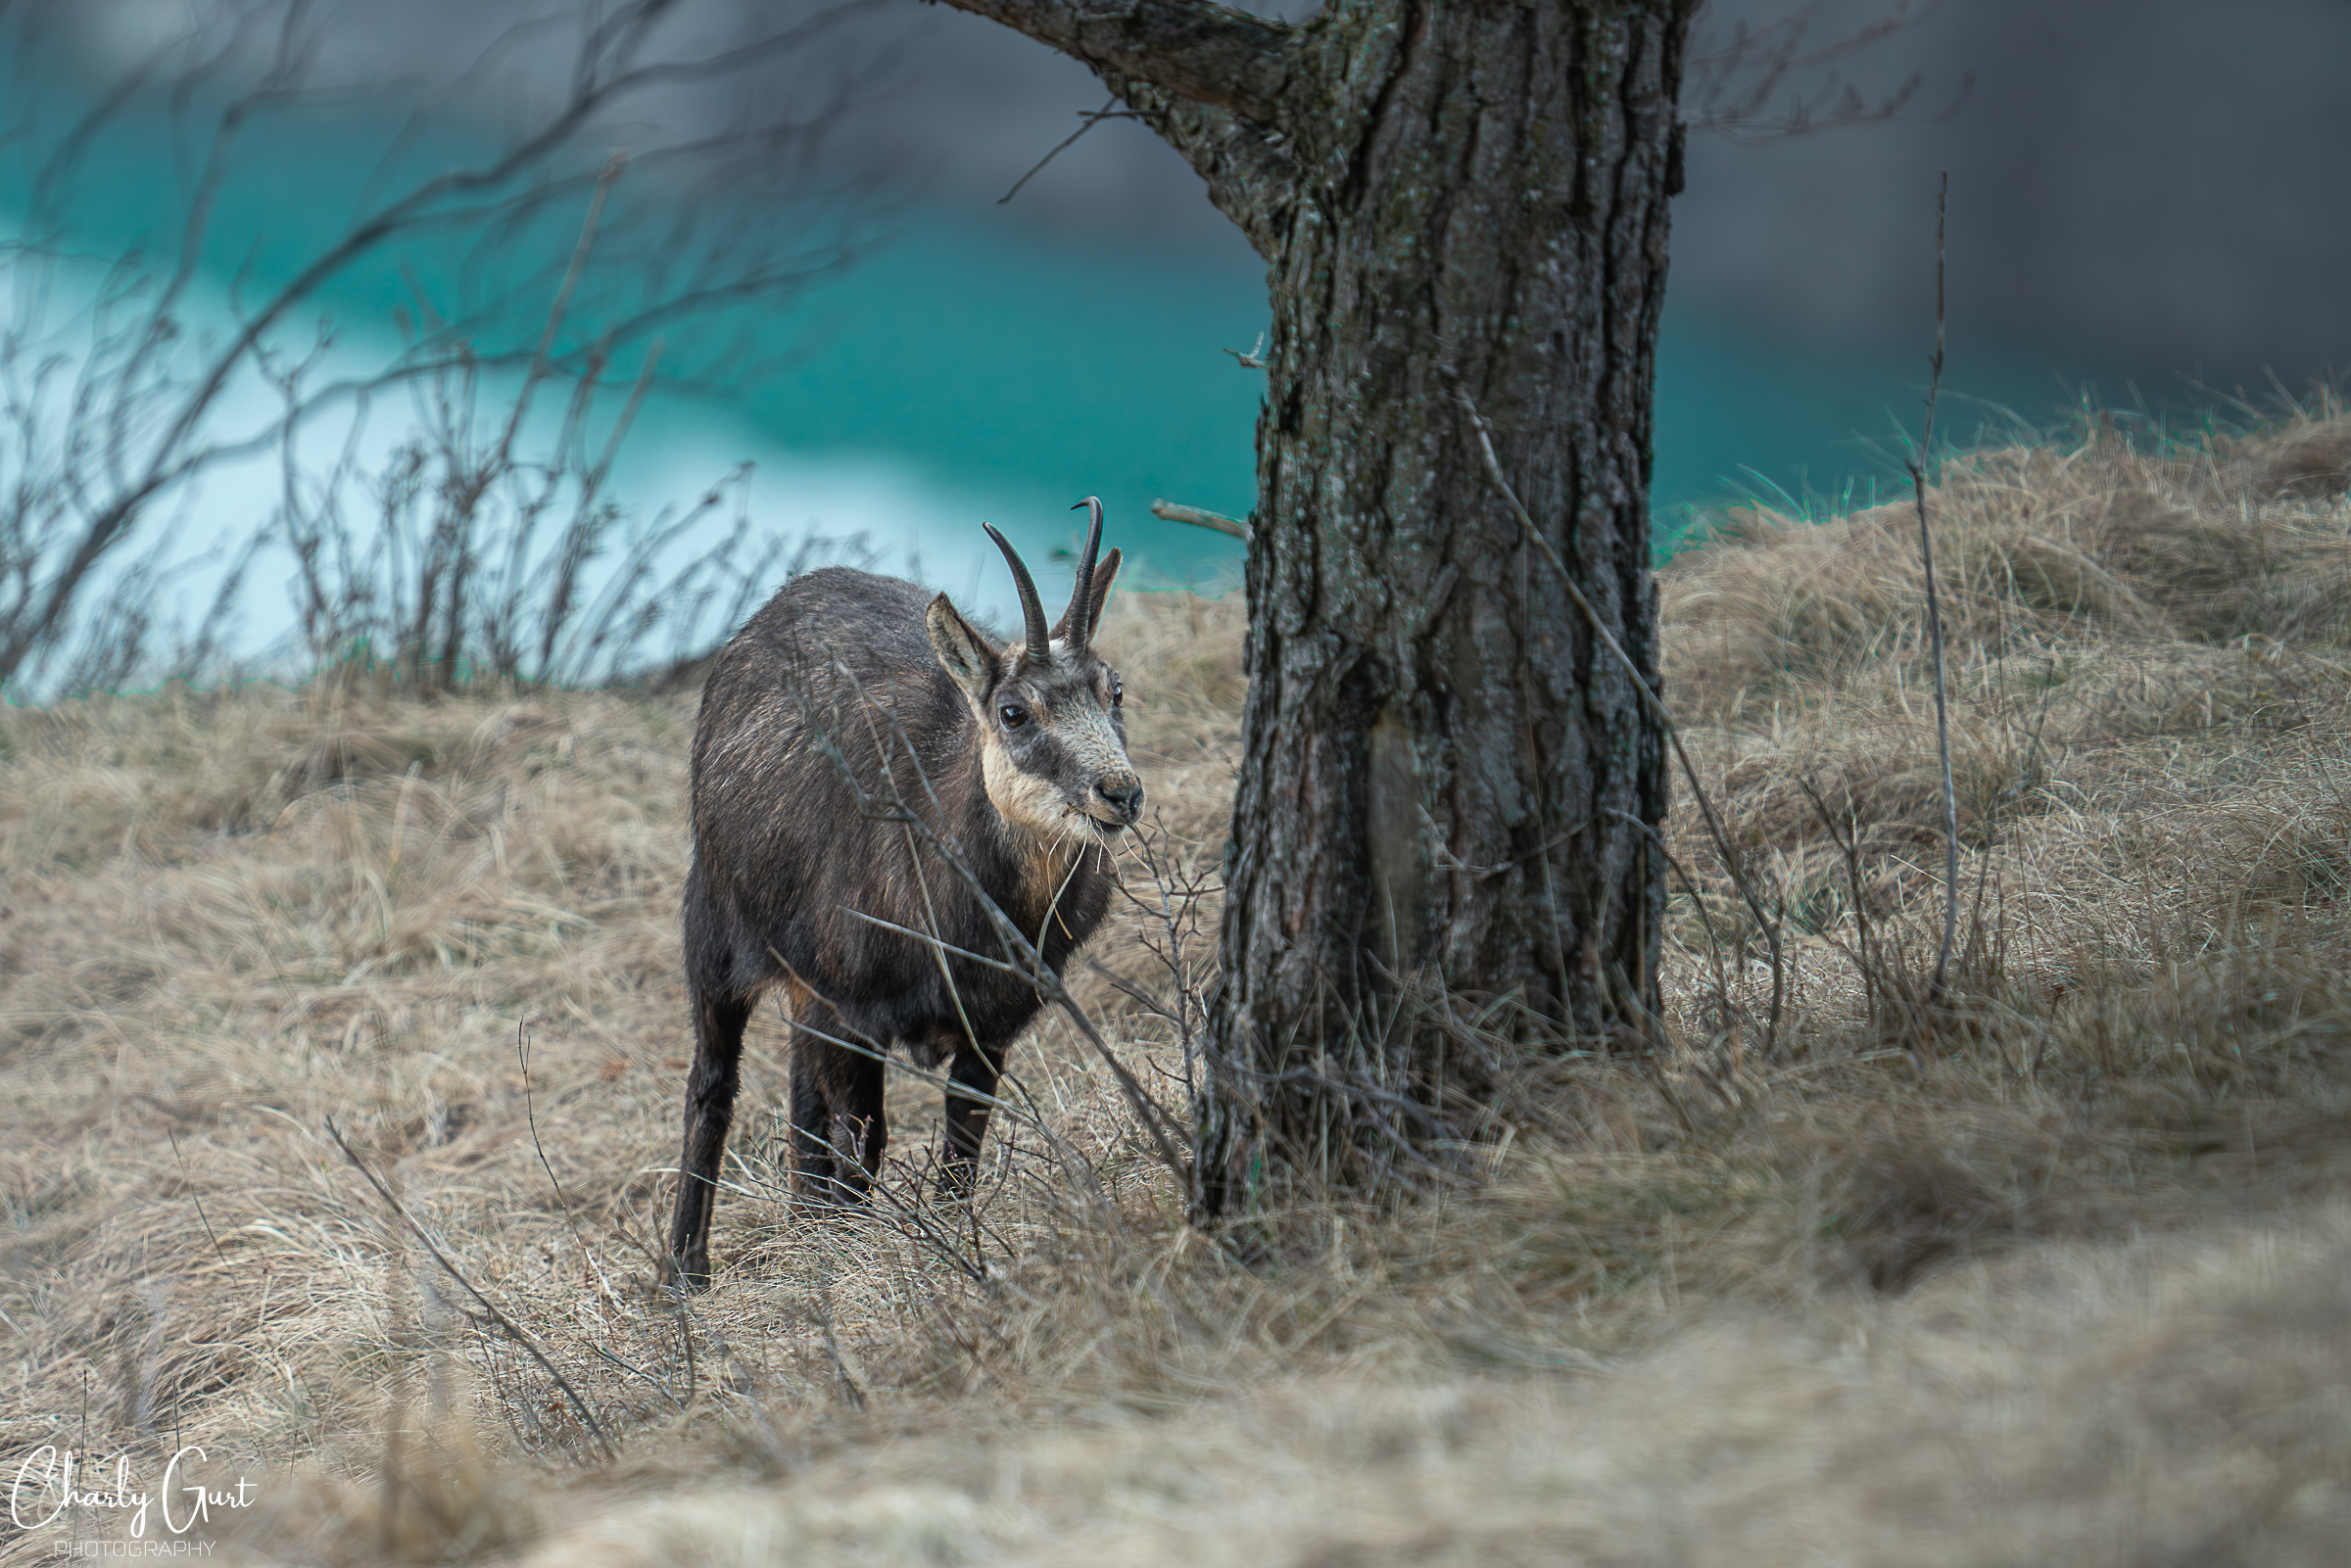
(1445, 775)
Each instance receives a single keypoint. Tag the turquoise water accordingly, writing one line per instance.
(976, 351)
(1006, 366)
(971, 367)
(1805, 427)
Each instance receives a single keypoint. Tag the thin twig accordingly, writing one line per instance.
(1088, 119)
(675, 1295)
(512, 1329)
(522, 1053)
(1776, 52)
(1926, 556)
(1722, 989)
(663, 1389)
(1028, 1115)
(1039, 973)
(875, 1051)
(1849, 845)
(185, 1176)
(1722, 839)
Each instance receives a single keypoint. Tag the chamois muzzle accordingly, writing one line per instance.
(1123, 793)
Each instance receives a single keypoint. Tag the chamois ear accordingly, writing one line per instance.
(962, 648)
(1104, 574)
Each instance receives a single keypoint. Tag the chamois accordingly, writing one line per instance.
(848, 703)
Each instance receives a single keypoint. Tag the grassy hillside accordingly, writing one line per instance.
(2056, 1267)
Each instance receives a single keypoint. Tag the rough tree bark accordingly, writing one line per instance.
(1443, 770)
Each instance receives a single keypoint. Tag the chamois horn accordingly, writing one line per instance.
(1040, 645)
(1082, 596)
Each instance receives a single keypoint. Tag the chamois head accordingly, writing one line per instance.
(1053, 741)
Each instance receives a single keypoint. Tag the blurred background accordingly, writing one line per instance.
(805, 264)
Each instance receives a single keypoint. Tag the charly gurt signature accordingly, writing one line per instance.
(52, 1480)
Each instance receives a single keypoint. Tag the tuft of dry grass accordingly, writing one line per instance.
(2046, 1268)
(2097, 544)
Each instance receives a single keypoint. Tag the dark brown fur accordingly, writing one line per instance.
(832, 711)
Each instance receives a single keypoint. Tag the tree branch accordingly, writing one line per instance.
(1210, 54)
(1780, 55)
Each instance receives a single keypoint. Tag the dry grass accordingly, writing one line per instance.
(2050, 1270)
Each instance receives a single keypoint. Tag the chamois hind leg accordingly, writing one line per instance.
(837, 1129)
(976, 1070)
(718, 1024)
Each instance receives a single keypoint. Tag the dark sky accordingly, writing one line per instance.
(2154, 187)
(2149, 186)
(2160, 186)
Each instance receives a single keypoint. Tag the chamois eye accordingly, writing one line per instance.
(1117, 693)
(1013, 715)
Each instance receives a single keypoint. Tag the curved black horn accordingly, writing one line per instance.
(1082, 596)
(1041, 647)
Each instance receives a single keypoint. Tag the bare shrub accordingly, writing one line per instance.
(126, 386)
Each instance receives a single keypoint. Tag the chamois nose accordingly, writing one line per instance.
(1123, 792)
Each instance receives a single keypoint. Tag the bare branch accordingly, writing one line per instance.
(1729, 88)
(130, 417)
(1208, 54)
(512, 1329)
(1087, 119)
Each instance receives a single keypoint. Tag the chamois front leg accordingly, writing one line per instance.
(974, 1075)
(837, 1129)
